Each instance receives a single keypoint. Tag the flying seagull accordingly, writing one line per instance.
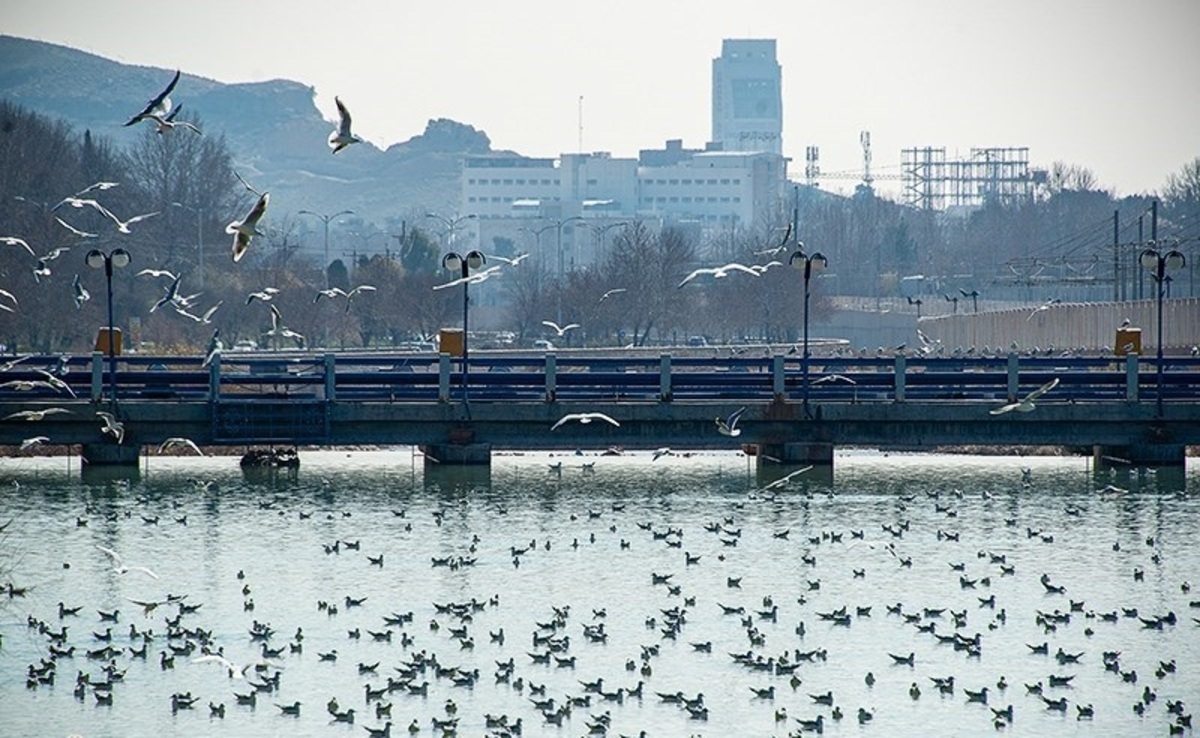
(120, 567)
(214, 347)
(342, 137)
(1026, 405)
(159, 106)
(246, 228)
(180, 441)
(14, 241)
(112, 426)
(81, 293)
(167, 123)
(728, 426)
(719, 272)
(33, 415)
(584, 419)
(560, 330)
(613, 291)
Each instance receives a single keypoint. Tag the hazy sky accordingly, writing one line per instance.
(1111, 85)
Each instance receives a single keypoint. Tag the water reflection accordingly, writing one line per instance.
(648, 550)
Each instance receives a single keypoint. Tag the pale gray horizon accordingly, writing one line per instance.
(1106, 85)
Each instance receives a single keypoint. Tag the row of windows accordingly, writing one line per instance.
(652, 200)
(701, 182)
(472, 198)
(553, 182)
(556, 183)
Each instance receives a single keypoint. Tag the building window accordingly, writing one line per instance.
(725, 181)
(508, 181)
(591, 182)
(520, 181)
(673, 181)
(685, 181)
(470, 181)
(737, 199)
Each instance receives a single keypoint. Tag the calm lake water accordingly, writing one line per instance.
(933, 535)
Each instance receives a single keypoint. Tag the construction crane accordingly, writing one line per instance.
(813, 173)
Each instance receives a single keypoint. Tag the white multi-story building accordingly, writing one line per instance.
(737, 181)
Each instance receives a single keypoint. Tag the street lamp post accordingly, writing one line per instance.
(462, 265)
(199, 235)
(809, 263)
(1158, 264)
(451, 224)
(118, 258)
(325, 220)
(602, 232)
(558, 225)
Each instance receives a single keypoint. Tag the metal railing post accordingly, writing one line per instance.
(778, 385)
(551, 377)
(214, 377)
(1131, 377)
(330, 378)
(1014, 379)
(97, 376)
(901, 367)
(443, 377)
(664, 378)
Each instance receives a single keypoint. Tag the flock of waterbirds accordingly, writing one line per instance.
(575, 669)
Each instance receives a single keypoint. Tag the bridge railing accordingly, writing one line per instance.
(552, 378)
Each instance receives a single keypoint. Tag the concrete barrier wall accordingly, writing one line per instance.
(1092, 326)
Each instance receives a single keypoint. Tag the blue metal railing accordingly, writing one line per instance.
(393, 377)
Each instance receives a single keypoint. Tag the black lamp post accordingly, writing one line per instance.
(463, 266)
(1158, 264)
(814, 263)
(558, 225)
(120, 259)
(325, 221)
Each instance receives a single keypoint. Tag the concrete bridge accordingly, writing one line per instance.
(1119, 408)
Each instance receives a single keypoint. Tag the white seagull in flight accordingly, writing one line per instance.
(246, 228)
(342, 137)
(1026, 405)
(719, 272)
(584, 419)
(120, 567)
(160, 105)
(560, 330)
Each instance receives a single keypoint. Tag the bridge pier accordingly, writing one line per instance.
(111, 454)
(457, 454)
(1139, 454)
(796, 453)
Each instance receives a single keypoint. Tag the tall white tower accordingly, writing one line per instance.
(747, 97)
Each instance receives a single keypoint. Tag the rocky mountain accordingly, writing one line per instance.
(274, 129)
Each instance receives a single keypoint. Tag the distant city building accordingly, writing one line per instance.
(747, 97)
(737, 181)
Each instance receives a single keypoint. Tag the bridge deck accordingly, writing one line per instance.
(510, 401)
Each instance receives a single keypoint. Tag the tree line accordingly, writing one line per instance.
(628, 295)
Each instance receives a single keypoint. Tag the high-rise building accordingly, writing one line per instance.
(747, 97)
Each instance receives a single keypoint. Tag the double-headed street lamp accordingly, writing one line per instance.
(814, 263)
(1158, 264)
(118, 258)
(325, 220)
(462, 265)
(451, 224)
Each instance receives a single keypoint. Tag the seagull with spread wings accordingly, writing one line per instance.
(159, 105)
(1026, 405)
(728, 426)
(112, 427)
(14, 241)
(559, 330)
(279, 329)
(719, 272)
(342, 137)
(179, 441)
(34, 415)
(583, 419)
(120, 567)
(246, 228)
(80, 292)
